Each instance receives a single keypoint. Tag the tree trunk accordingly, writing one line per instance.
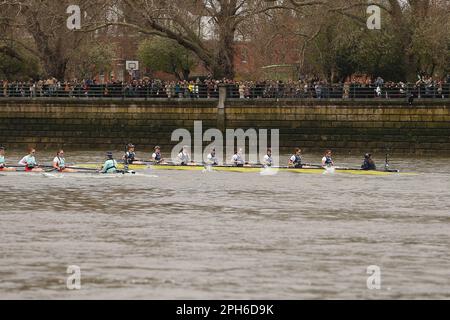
(224, 62)
(55, 66)
(186, 73)
(405, 31)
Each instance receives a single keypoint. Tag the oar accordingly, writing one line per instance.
(22, 166)
(324, 167)
(86, 169)
(313, 165)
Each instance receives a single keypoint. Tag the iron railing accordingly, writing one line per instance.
(271, 90)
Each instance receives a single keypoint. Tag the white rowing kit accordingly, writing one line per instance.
(212, 159)
(184, 157)
(268, 161)
(237, 159)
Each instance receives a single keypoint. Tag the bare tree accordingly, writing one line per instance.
(206, 27)
(44, 23)
(412, 17)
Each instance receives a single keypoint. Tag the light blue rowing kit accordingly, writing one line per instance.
(110, 166)
(29, 161)
(60, 162)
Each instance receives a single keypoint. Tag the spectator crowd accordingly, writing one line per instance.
(425, 87)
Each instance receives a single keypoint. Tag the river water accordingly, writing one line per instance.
(223, 235)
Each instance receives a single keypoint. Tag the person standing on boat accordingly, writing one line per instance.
(296, 159)
(29, 161)
(110, 165)
(368, 163)
(156, 156)
(184, 156)
(59, 162)
(211, 159)
(268, 160)
(3, 166)
(237, 158)
(326, 160)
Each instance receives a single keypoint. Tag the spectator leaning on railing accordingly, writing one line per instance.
(313, 88)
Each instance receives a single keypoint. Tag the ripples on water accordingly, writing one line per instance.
(222, 235)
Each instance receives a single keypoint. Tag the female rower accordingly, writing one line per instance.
(183, 157)
(237, 158)
(211, 159)
(326, 160)
(156, 156)
(130, 155)
(3, 166)
(296, 159)
(29, 161)
(268, 160)
(368, 163)
(110, 165)
(59, 162)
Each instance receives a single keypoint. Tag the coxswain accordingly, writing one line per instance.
(368, 163)
(268, 160)
(59, 162)
(326, 160)
(156, 156)
(237, 158)
(183, 157)
(29, 161)
(110, 165)
(296, 159)
(3, 166)
(211, 158)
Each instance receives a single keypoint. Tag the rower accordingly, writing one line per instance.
(211, 159)
(3, 166)
(110, 165)
(29, 161)
(130, 155)
(59, 162)
(156, 156)
(184, 156)
(237, 159)
(296, 159)
(368, 164)
(268, 160)
(326, 160)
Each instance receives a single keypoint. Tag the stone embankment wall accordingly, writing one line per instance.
(373, 125)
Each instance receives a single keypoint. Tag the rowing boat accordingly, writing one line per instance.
(131, 172)
(252, 169)
(87, 174)
(305, 170)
